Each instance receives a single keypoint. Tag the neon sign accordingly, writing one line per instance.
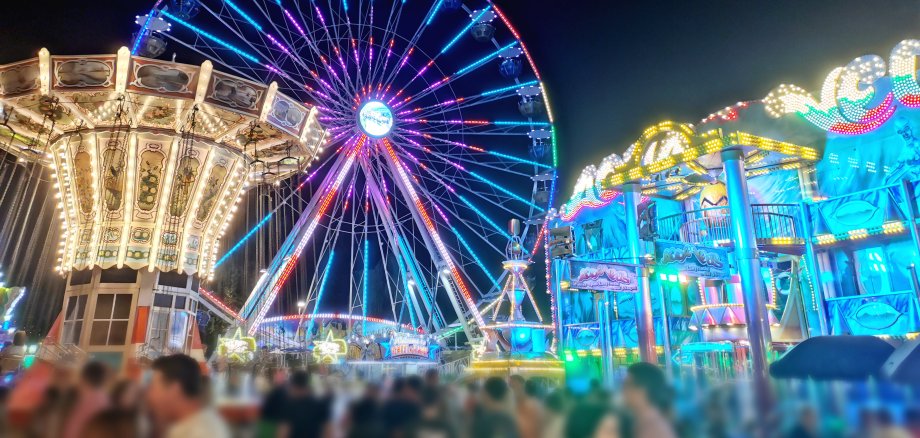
(693, 260)
(408, 346)
(603, 276)
(237, 348)
(329, 350)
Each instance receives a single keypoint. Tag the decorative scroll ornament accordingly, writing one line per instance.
(849, 102)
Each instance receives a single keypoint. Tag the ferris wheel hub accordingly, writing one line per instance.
(375, 118)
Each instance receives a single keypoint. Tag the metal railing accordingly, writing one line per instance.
(713, 226)
(61, 353)
(776, 221)
(455, 368)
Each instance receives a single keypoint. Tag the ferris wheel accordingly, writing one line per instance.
(438, 130)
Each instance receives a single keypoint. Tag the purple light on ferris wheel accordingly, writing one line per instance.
(281, 46)
(441, 213)
(322, 20)
(294, 22)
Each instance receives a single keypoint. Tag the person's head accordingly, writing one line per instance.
(912, 417)
(646, 387)
(555, 402)
(396, 388)
(372, 391)
(93, 375)
(516, 382)
(176, 389)
(19, 338)
(592, 421)
(412, 390)
(111, 423)
(885, 419)
(431, 403)
(300, 383)
(868, 419)
(595, 385)
(534, 388)
(808, 418)
(432, 378)
(126, 395)
(495, 390)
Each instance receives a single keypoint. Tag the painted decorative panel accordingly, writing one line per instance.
(236, 94)
(83, 72)
(19, 78)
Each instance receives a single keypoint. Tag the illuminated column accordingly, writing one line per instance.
(645, 327)
(711, 291)
(602, 304)
(911, 214)
(752, 284)
(813, 296)
(559, 269)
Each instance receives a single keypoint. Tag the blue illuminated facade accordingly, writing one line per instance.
(812, 205)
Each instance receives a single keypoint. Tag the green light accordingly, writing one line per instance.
(555, 154)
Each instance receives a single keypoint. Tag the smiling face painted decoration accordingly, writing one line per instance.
(713, 195)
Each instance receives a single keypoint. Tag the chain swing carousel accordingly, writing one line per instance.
(149, 160)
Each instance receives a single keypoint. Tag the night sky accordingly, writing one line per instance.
(611, 68)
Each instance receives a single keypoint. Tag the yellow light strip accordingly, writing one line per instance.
(705, 144)
(131, 171)
(172, 162)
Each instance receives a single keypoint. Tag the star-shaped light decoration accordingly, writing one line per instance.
(330, 350)
(237, 348)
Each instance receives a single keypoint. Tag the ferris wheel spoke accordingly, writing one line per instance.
(288, 45)
(408, 259)
(256, 58)
(454, 76)
(392, 24)
(441, 207)
(469, 156)
(446, 47)
(451, 188)
(462, 103)
(482, 179)
(416, 36)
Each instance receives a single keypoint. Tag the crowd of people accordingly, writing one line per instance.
(175, 400)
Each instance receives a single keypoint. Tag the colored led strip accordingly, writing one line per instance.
(280, 277)
(364, 291)
(320, 293)
(432, 230)
(211, 37)
(140, 35)
(334, 316)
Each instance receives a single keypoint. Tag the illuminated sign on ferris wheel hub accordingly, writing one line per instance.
(375, 118)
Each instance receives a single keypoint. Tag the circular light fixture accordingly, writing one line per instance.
(375, 118)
